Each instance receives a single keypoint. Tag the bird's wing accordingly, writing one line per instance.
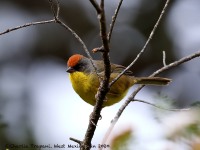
(119, 68)
(114, 68)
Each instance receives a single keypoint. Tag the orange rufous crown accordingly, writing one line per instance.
(73, 60)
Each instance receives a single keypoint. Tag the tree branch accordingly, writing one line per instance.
(80, 41)
(164, 58)
(56, 19)
(75, 140)
(103, 89)
(176, 63)
(55, 7)
(154, 105)
(113, 20)
(96, 6)
(27, 25)
(144, 47)
(132, 96)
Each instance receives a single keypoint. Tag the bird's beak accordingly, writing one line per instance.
(70, 70)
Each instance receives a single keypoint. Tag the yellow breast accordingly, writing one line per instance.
(85, 86)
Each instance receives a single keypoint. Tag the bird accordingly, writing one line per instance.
(85, 81)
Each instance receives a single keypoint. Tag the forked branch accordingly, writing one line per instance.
(145, 45)
(104, 84)
(131, 98)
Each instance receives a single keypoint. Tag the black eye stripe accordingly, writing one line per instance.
(79, 67)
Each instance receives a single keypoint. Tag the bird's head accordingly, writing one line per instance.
(77, 62)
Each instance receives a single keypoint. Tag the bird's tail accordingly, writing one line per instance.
(152, 80)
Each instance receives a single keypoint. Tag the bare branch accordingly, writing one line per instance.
(119, 113)
(177, 63)
(132, 96)
(113, 20)
(164, 58)
(96, 115)
(55, 7)
(56, 12)
(96, 6)
(105, 43)
(56, 20)
(27, 25)
(104, 84)
(154, 105)
(144, 47)
(56, 16)
(75, 140)
(81, 42)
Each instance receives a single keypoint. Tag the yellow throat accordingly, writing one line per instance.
(86, 86)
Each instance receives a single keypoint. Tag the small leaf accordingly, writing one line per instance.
(121, 141)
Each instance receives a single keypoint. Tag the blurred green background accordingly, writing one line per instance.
(37, 103)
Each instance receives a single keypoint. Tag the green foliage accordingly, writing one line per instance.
(121, 141)
(194, 129)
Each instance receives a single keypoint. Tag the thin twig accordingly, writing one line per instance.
(103, 84)
(164, 58)
(81, 42)
(131, 97)
(144, 47)
(56, 20)
(117, 116)
(56, 13)
(122, 108)
(51, 2)
(154, 105)
(75, 140)
(113, 20)
(119, 113)
(96, 6)
(56, 9)
(56, 17)
(177, 63)
(27, 25)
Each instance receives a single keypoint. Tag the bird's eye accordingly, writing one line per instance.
(79, 67)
